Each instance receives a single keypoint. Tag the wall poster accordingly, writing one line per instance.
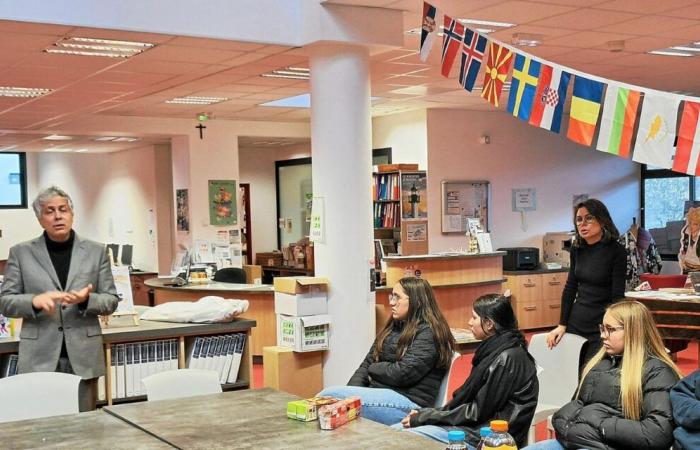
(414, 198)
(222, 202)
(182, 200)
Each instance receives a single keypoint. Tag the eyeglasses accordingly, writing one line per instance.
(606, 330)
(588, 218)
(396, 297)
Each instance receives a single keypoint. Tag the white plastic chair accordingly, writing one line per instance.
(558, 378)
(181, 383)
(38, 394)
(441, 399)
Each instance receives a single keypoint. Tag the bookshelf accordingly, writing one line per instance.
(400, 210)
(182, 334)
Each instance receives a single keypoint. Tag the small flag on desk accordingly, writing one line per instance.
(428, 30)
(617, 125)
(585, 109)
(688, 147)
(548, 105)
(451, 42)
(497, 65)
(657, 131)
(526, 72)
(473, 49)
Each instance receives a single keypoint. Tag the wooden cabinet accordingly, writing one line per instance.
(138, 289)
(536, 297)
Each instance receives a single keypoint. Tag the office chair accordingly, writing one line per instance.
(38, 394)
(181, 383)
(230, 275)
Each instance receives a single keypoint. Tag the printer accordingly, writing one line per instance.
(521, 258)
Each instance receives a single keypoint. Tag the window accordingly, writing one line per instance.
(13, 180)
(666, 196)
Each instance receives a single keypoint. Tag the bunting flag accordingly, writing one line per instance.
(451, 42)
(657, 130)
(585, 108)
(497, 66)
(473, 50)
(688, 147)
(548, 106)
(428, 31)
(526, 72)
(617, 125)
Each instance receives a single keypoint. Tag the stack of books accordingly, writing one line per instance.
(222, 354)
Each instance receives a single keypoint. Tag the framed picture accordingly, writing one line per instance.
(222, 202)
(463, 200)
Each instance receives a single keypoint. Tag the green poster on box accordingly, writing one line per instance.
(222, 202)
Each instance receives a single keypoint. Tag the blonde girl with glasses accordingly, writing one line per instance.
(405, 366)
(623, 398)
(596, 276)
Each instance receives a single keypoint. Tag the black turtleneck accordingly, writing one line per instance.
(60, 253)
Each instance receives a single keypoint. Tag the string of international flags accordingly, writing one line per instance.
(538, 94)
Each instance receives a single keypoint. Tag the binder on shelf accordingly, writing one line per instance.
(174, 355)
(237, 356)
(121, 385)
(193, 356)
(230, 350)
(159, 356)
(113, 371)
(166, 356)
(143, 366)
(221, 354)
(211, 352)
(129, 370)
(136, 371)
(151, 365)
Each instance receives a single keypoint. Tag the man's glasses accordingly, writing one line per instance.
(588, 218)
(605, 330)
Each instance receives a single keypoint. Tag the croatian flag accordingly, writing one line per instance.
(548, 105)
(429, 30)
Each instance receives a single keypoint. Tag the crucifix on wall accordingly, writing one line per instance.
(201, 128)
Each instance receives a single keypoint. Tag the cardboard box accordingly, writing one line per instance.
(307, 410)
(301, 285)
(252, 273)
(303, 334)
(334, 415)
(297, 373)
(310, 304)
(395, 167)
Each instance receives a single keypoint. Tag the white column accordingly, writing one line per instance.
(342, 166)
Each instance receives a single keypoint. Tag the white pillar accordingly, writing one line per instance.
(342, 165)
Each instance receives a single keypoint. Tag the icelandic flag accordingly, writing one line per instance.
(451, 41)
(548, 106)
(473, 50)
(526, 73)
(429, 30)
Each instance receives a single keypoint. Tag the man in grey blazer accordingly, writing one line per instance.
(58, 284)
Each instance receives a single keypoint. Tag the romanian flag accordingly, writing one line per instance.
(524, 80)
(548, 106)
(585, 108)
(617, 125)
(657, 131)
(688, 147)
(497, 66)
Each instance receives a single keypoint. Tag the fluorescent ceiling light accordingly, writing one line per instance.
(82, 150)
(57, 137)
(125, 139)
(527, 39)
(98, 47)
(687, 49)
(194, 100)
(487, 23)
(58, 149)
(298, 101)
(669, 53)
(104, 138)
(294, 73)
(11, 147)
(22, 92)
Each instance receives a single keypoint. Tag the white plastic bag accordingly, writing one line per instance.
(209, 309)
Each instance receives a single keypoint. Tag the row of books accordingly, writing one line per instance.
(8, 365)
(386, 187)
(222, 354)
(131, 363)
(387, 215)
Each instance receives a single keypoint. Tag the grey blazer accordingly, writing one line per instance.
(30, 272)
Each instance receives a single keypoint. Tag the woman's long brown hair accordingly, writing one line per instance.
(422, 308)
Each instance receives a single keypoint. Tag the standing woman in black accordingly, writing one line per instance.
(596, 276)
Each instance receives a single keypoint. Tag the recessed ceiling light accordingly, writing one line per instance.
(104, 138)
(527, 39)
(669, 53)
(294, 73)
(125, 139)
(57, 137)
(98, 47)
(299, 101)
(58, 149)
(22, 92)
(487, 23)
(194, 100)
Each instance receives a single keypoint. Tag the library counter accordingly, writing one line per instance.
(261, 305)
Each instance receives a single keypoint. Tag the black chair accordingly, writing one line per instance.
(230, 275)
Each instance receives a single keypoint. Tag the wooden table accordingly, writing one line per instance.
(93, 430)
(255, 419)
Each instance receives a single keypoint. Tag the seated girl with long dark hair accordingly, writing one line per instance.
(408, 360)
(502, 384)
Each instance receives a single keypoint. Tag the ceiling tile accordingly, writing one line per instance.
(520, 12)
(585, 19)
(647, 6)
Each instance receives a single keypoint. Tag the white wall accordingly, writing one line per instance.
(257, 167)
(522, 156)
(406, 134)
(114, 197)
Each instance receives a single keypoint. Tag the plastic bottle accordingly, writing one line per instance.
(484, 432)
(499, 438)
(456, 439)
